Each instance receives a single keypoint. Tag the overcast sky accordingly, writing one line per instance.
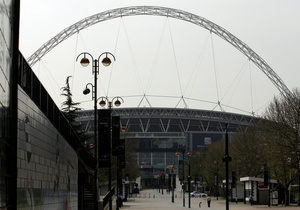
(168, 58)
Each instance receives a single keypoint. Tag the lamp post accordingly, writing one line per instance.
(95, 70)
(189, 178)
(161, 183)
(121, 150)
(217, 179)
(171, 169)
(117, 101)
(181, 174)
(227, 159)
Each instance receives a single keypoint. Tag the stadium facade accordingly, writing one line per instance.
(161, 132)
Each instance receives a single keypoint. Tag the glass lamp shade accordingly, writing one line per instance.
(188, 153)
(102, 103)
(106, 61)
(85, 62)
(117, 103)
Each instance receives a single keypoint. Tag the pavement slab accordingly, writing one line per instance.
(153, 200)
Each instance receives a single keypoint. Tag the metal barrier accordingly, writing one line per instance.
(108, 196)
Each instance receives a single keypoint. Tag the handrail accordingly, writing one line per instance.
(108, 195)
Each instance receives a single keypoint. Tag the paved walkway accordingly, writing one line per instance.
(153, 200)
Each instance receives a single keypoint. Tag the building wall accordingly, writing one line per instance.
(9, 28)
(47, 165)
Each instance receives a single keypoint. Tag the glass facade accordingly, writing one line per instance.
(155, 153)
(161, 144)
(204, 139)
(9, 29)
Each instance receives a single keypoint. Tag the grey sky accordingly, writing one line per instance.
(167, 57)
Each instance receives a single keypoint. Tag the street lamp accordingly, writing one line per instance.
(120, 161)
(172, 169)
(217, 179)
(189, 178)
(117, 100)
(102, 103)
(227, 159)
(181, 173)
(95, 70)
(162, 182)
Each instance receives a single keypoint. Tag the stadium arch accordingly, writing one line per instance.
(167, 12)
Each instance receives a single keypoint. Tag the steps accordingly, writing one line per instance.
(88, 198)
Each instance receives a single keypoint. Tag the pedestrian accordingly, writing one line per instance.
(119, 201)
(208, 201)
(122, 198)
(200, 204)
(251, 199)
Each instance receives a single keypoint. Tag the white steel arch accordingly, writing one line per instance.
(167, 12)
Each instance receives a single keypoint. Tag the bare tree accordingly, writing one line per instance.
(132, 168)
(207, 163)
(281, 130)
(248, 154)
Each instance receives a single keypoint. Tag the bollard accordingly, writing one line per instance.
(176, 196)
(153, 196)
(149, 195)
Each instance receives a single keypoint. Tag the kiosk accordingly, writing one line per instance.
(262, 194)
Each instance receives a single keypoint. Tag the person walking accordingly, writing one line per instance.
(208, 201)
(251, 199)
